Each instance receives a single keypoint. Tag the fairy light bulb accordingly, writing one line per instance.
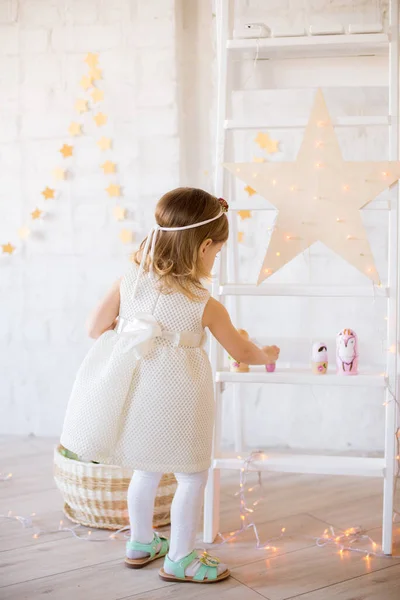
(320, 123)
(318, 165)
(278, 254)
(274, 182)
(346, 187)
(318, 144)
(385, 173)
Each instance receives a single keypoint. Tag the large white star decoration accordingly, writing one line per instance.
(318, 197)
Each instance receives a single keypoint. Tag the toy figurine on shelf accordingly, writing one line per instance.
(269, 367)
(234, 365)
(319, 359)
(347, 352)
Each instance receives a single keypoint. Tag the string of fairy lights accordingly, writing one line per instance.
(89, 104)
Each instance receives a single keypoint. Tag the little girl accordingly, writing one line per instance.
(143, 397)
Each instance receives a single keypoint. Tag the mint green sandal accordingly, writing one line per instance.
(207, 572)
(138, 563)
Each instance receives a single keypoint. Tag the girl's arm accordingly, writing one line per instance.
(103, 317)
(217, 319)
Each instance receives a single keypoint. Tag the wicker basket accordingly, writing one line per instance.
(95, 495)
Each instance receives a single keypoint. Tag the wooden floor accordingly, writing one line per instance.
(57, 566)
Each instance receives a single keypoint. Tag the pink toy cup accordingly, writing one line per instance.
(270, 368)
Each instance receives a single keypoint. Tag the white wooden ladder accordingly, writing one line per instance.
(226, 280)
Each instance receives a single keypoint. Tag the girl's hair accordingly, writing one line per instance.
(176, 256)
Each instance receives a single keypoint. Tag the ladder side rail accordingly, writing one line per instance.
(392, 303)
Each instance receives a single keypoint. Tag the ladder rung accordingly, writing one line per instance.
(306, 290)
(288, 123)
(314, 46)
(291, 376)
(308, 463)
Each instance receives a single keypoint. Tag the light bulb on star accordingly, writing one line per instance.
(100, 119)
(66, 150)
(311, 216)
(75, 129)
(104, 143)
(108, 167)
(48, 193)
(113, 190)
(81, 106)
(7, 248)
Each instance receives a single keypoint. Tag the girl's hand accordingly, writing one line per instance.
(272, 353)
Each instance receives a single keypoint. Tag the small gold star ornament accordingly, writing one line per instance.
(92, 60)
(244, 214)
(81, 106)
(264, 141)
(75, 129)
(108, 167)
(113, 190)
(48, 193)
(97, 95)
(7, 248)
(66, 150)
(36, 214)
(119, 213)
(100, 119)
(249, 190)
(104, 143)
(59, 174)
(24, 233)
(126, 236)
(86, 82)
(240, 236)
(95, 73)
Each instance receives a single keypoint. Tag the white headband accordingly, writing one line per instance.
(152, 237)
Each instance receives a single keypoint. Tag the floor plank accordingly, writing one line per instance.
(383, 585)
(304, 571)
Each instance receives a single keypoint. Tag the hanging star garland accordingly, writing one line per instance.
(48, 193)
(86, 82)
(81, 106)
(100, 119)
(59, 174)
(97, 95)
(95, 73)
(104, 143)
(75, 129)
(7, 248)
(119, 213)
(24, 233)
(249, 190)
(126, 236)
(108, 167)
(266, 143)
(113, 190)
(66, 150)
(36, 214)
(319, 197)
(91, 60)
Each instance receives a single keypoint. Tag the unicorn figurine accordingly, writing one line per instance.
(347, 352)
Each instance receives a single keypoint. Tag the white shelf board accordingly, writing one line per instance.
(302, 377)
(305, 290)
(306, 463)
(368, 44)
(298, 123)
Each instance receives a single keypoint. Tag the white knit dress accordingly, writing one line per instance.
(151, 410)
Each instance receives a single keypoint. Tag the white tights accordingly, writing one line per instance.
(185, 509)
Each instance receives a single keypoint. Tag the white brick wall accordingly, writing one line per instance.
(156, 55)
(50, 285)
